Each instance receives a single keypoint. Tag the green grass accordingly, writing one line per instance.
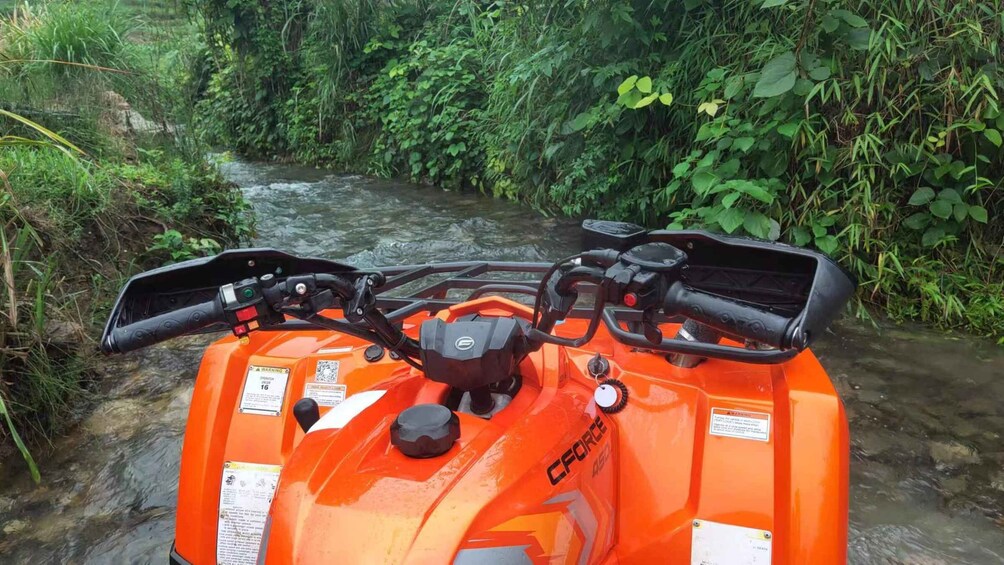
(83, 204)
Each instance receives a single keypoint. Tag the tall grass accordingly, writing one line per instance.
(84, 197)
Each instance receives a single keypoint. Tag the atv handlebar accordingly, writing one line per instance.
(177, 323)
(731, 317)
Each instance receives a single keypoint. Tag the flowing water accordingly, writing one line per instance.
(925, 409)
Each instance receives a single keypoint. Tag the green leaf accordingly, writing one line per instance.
(732, 87)
(918, 221)
(703, 181)
(960, 211)
(852, 19)
(32, 467)
(788, 129)
(666, 98)
(644, 84)
(922, 196)
(774, 233)
(629, 98)
(731, 199)
(993, 135)
(978, 213)
(709, 108)
(951, 195)
(830, 24)
(772, 3)
(743, 143)
(803, 86)
(777, 77)
(859, 38)
(758, 192)
(820, 73)
(757, 225)
(646, 101)
(681, 169)
(932, 236)
(827, 244)
(800, 236)
(941, 209)
(730, 219)
(627, 85)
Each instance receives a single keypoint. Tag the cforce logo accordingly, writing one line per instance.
(464, 343)
(579, 450)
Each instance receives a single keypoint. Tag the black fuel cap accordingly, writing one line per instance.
(425, 430)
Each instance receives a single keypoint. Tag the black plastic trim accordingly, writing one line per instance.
(176, 558)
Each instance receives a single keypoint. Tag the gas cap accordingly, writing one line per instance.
(425, 430)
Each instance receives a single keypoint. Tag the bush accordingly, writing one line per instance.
(868, 130)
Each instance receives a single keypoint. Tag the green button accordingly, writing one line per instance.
(248, 293)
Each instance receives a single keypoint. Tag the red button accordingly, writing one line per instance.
(240, 330)
(630, 299)
(249, 313)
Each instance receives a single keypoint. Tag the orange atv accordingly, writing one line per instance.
(412, 415)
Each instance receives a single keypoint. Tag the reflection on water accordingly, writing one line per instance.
(927, 462)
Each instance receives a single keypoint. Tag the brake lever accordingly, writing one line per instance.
(650, 328)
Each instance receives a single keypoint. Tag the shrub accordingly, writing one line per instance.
(868, 130)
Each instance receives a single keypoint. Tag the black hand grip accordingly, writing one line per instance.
(731, 317)
(163, 327)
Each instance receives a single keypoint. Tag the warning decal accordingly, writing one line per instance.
(264, 390)
(714, 543)
(741, 424)
(245, 495)
(325, 394)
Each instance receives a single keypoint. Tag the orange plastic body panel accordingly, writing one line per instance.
(549, 477)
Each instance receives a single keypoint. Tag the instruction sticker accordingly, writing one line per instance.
(325, 394)
(327, 372)
(264, 390)
(714, 543)
(245, 496)
(741, 424)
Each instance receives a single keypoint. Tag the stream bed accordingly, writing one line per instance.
(926, 409)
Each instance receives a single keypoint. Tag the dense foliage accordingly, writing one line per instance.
(90, 191)
(870, 130)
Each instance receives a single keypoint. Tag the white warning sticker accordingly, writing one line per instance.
(714, 543)
(245, 496)
(264, 390)
(325, 394)
(327, 371)
(741, 424)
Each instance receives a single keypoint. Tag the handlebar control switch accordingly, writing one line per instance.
(245, 308)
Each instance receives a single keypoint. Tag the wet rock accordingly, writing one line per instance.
(870, 396)
(873, 442)
(997, 481)
(14, 526)
(64, 332)
(954, 485)
(952, 454)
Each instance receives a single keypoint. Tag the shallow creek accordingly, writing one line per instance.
(925, 409)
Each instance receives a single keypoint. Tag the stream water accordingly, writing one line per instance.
(925, 409)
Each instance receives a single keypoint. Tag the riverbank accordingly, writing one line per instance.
(94, 186)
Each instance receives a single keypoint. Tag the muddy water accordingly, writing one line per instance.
(925, 410)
